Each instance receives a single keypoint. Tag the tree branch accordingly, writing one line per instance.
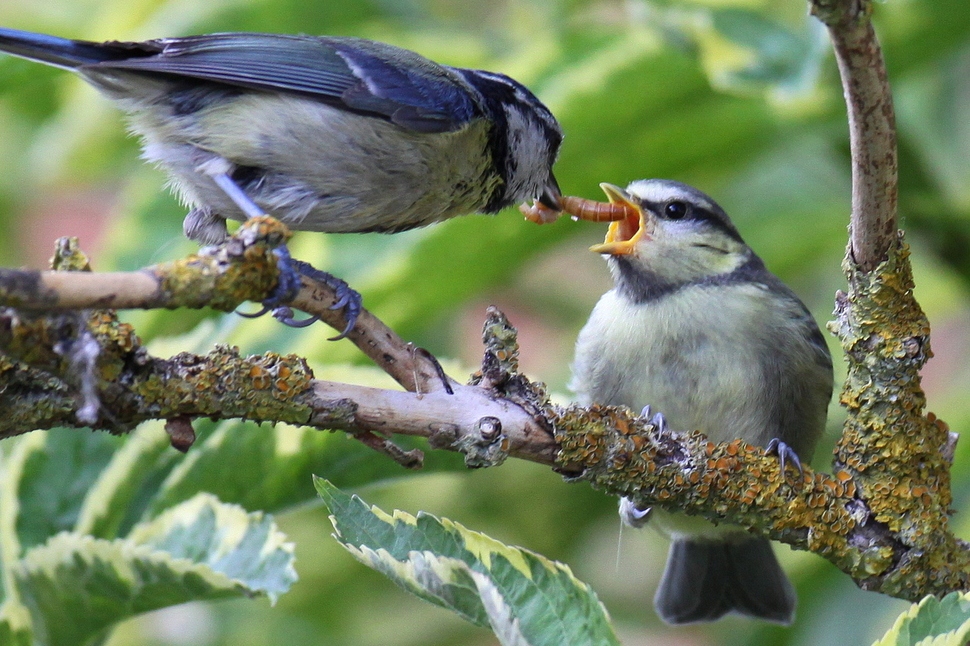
(221, 277)
(501, 414)
(897, 455)
(872, 127)
(487, 421)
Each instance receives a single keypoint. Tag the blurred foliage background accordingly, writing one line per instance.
(738, 97)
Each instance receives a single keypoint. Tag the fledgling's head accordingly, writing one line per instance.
(677, 236)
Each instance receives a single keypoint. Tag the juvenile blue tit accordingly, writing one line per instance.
(697, 328)
(325, 133)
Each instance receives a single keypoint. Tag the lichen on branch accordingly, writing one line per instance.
(222, 277)
(898, 454)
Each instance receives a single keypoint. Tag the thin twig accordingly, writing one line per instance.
(382, 345)
(872, 127)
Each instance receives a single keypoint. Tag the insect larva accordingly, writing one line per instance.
(580, 208)
(594, 211)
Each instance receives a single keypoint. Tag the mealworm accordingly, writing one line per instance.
(581, 208)
(594, 211)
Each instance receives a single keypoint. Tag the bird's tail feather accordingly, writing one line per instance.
(59, 52)
(704, 580)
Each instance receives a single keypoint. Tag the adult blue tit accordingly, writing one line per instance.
(326, 133)
(697, 328)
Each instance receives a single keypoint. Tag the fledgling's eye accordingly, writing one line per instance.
(675, 210)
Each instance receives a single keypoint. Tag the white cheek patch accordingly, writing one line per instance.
(530, 152)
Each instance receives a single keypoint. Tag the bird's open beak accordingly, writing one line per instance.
(623, 235)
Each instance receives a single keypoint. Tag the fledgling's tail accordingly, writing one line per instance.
(59, 52)
(705, 580)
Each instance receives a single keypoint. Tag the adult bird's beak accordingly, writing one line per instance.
(551, 196)
(623, 235)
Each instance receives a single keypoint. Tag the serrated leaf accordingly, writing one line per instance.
(524, 597)
(245, 546)
(932, 622)
(77, 586)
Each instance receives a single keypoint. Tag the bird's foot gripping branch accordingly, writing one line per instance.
(732, 482)
(244, 268)
(67, 361)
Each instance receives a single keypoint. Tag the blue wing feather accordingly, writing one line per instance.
(351, 73)
(360, 75)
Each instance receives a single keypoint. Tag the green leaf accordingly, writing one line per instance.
(78, 586)
(55, 470)
(776, 55)
(15, 625)
(932, 622)
(524, 597)
(281, 459)
(113, 497)
(247, 547)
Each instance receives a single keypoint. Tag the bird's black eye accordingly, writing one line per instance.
(675, 210)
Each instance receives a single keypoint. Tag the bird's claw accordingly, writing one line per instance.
(657, 420)
(284, 315)
(253, 315)
(288, 286)
(785, 455)
(347, 299)
(633, 516)
(439, 371)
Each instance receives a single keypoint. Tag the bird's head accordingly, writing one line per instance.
(676, 235)
(524, 141)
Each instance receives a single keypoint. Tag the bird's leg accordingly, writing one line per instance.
(785, 454)
(218, 169)
(290, 270)
(348, 298)
(235, 193)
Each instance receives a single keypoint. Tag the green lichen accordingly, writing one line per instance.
(135, 386)
(224, 384)
(893, 450)
(68, 256)
(732, 482)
